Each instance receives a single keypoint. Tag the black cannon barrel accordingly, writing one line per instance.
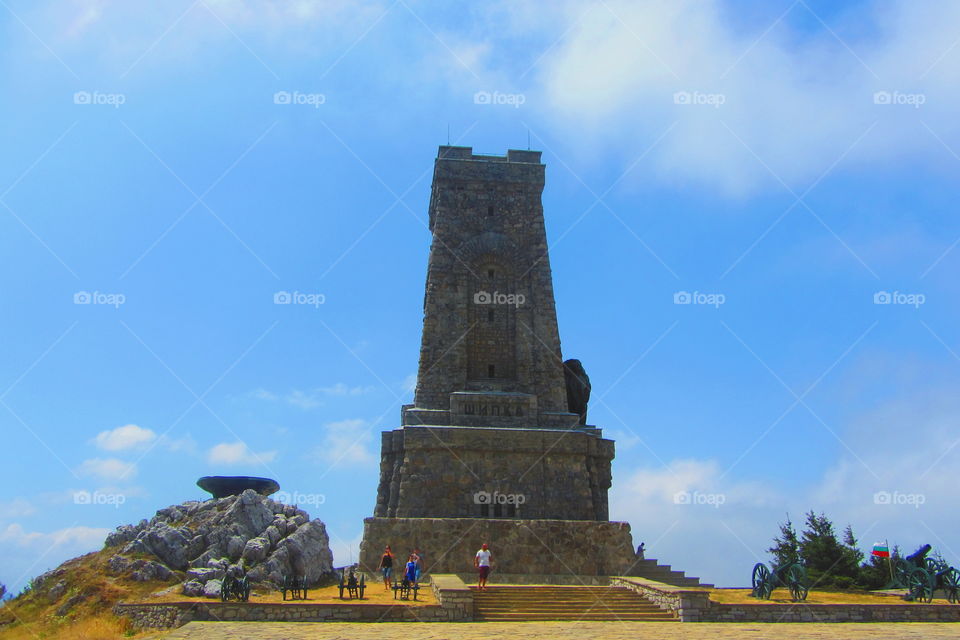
(918, 556)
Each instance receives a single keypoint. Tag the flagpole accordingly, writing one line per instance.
(889, 560)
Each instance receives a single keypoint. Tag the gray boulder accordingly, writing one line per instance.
(256, 550)
(235, 547)
(248, 533)
(204, 574)
(72, 601)
(193, 588)
(169, 544)
(56, 591)
(151, 570)
(212, 589)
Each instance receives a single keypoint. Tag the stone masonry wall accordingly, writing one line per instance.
(558, 547)
(488, 235)
(437, 472)
(694, 605)
(455, 604)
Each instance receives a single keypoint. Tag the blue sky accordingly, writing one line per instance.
(793, 158)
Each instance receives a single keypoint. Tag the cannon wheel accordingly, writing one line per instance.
(244, 590)
(797, 582)
(901, 573)
(951, 585)
(225, 587)
(935, 566)
(760, 581)
(921, 585)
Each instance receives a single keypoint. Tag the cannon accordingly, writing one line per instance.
(922, 576)
(352, 585)
(238, 588)
(296, 587)
(792, 575)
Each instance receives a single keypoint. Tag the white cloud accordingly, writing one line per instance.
(85, 537)
(263, 394)
(313, 398)
(347, 443)
(110, 469)
(905, 449)
(345, 551)
(17, 508)
(186, 444)
(798, 101)
(175, 31)
(124, 438)
(239, 453)
(25, 554)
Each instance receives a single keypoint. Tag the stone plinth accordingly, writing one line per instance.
(561, 547)
(459, 472)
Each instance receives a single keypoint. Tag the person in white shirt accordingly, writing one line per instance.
(482, 562)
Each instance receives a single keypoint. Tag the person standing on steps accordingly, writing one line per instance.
(418, 558)
(410, 574)
(483, 561)
(641, 550)
(386, 567)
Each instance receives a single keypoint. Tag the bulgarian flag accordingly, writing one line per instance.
(881, 550)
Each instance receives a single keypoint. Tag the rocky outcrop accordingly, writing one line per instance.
(199, 543)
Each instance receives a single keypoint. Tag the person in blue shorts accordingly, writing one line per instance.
(418, 558)
(410, 575)
(386, 567)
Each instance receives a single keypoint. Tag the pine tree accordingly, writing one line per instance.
(829, 562)
(786, 546)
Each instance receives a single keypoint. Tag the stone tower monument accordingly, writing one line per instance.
(491, 450)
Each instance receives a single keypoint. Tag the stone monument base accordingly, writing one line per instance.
(522, 547)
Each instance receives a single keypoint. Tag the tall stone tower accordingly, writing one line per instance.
(490, 448)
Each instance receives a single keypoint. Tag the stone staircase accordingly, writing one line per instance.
(529, 603)
(652, 570)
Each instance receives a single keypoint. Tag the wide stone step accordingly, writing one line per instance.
(572, 610)
(536, 603)
(535, 617)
